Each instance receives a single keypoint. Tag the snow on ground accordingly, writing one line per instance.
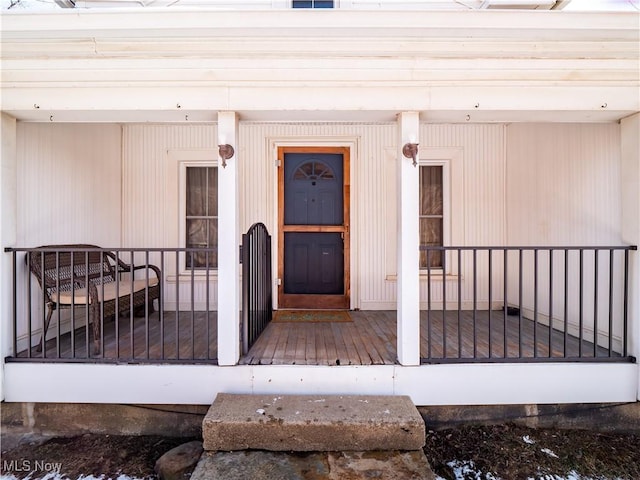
(551, 453)
(466, 470)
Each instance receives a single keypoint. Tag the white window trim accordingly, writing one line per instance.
(182, 209)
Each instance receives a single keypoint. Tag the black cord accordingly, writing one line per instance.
(155, 409)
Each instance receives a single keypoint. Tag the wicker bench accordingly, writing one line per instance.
(71, 276)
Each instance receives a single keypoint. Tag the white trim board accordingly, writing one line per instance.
(462, 384)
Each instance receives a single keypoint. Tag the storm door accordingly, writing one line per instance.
(313, 242)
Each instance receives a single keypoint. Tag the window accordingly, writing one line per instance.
(314, 170)
(201, 215)
(312, 4)
(431, 214)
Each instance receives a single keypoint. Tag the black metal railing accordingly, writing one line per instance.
(524, 304)
(480, 304)
(83, 303)
(256, 284)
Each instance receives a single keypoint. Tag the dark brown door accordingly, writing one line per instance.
(314, 227)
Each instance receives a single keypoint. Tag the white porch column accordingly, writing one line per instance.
(408, 244)
(228, 245)
(630, 189)
(8, 231)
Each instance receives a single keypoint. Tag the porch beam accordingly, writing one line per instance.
(228, 245)
(8, 229)
(630, 191)
(337, 101)
(408, 285)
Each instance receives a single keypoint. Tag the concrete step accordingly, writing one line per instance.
(307, 423)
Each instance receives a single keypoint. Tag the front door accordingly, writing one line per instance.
(313, 200)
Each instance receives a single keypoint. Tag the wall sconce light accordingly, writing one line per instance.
(410, 150)
(225, 151)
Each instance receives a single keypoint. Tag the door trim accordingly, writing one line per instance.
(316, 301)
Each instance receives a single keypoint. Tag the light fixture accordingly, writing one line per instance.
(410, 150)
(225, 151)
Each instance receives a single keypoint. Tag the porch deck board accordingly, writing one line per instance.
(383, 329)
(364, 355)
(321, 347)
(330, 342)
(310, 347)
(301, 348)
(341, 346)
(369, 339)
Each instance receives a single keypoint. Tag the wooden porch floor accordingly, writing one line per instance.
(193, 340)
(368, 339)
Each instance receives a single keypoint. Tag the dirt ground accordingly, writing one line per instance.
(85, 455)
(515, 452)
(504, 451)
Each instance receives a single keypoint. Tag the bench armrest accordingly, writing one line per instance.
(155, 269)
(122, 267)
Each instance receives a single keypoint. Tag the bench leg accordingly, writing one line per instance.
(95, 320)
(45, 327)
(141, 310)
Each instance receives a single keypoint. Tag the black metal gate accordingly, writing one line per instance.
(256, 284)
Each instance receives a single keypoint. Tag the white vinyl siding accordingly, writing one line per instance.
(151, 195)
(540, 183)
(563, 187)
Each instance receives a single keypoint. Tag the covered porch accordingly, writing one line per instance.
(535, 136)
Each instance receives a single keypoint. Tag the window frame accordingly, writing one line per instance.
(446, 210)
(182, 214)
